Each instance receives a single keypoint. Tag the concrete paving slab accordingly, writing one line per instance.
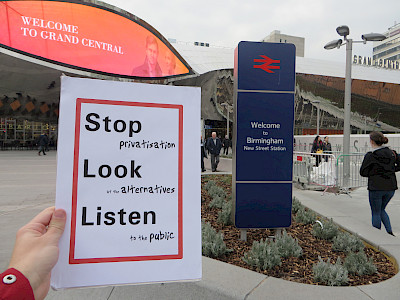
(388, 289)
(274, 288)
(319, 206)
(100, 293)
(220, 281)
(24, 175)
(178, 291)
(229, 279)
(224, 166)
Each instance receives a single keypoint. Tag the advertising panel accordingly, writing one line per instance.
(89, 37)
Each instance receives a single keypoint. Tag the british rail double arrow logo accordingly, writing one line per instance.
(267, 64)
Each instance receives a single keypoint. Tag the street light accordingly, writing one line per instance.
(333, 44)
(228, 109)
(344, 31)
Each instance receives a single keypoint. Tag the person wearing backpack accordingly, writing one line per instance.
(380, 165)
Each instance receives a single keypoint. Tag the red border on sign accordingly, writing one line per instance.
(179, 255)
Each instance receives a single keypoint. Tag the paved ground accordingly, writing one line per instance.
(27, 185)
(224, 166)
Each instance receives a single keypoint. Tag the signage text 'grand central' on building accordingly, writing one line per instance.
(382, 63)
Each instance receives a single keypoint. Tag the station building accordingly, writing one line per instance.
(388, 49)
(32, 61)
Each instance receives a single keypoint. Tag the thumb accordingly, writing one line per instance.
(57, 225)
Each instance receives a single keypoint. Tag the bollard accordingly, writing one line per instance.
(243, 235)
(278, 231)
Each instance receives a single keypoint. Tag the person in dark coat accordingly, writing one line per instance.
(203, 155)
(226, 143)
(42, 142)
(380, 165)
(317, 147)
(327, 147)
(214, 146)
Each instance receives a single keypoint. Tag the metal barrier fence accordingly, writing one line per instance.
(312, 170)
(353, 179)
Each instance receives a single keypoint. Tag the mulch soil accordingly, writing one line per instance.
(292, 268)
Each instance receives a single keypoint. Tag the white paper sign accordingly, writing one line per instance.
(128, 175)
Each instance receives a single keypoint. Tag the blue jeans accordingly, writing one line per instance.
(378, 200)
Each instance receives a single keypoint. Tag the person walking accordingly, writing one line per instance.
(203, 154)
(318, 148)
(328, 147)
(226, 143)
(42, 142)
(214, 146)
(380, 165)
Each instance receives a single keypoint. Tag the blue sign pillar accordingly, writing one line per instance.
(263, 134)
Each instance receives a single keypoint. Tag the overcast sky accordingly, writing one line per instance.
(225, 23)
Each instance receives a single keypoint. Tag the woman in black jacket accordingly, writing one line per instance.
(317, 147)
(380, 165)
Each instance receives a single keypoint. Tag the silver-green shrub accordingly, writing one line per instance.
(330, 274)
(296, 205)
(326, 232)
(213, 244)
(358, 263)
(347, 242)
(216, 191)
(217, 202)
(224, 216)
(287, 245)
(263, 255)
(209, 184)
(305, 216)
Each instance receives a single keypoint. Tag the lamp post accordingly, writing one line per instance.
(228, 109)
(344, 32)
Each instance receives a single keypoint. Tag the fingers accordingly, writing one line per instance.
(57, 225)
(44, 217)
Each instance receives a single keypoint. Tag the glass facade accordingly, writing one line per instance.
(387, 52)
(20, 133)
(388, 49)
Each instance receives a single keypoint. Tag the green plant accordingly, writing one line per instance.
(287, 245)
(330, 274)
(213, 244)
(305, 216)
(217, 202)
(347, 242)
(216, 191)
(296, 205)
(209, 184)
(224, 216)
(263, 255)
(358, 263)
(227, 179)
(327, 231)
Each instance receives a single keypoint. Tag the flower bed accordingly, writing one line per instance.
(299, 269)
